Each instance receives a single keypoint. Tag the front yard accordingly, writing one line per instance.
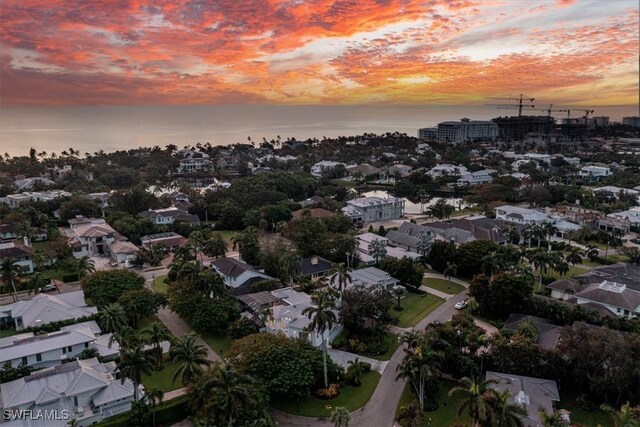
(163, 379)
(218, 343)
(350, 397)
(415, 308)
(443, 285)
(160, 285)
(447, 412)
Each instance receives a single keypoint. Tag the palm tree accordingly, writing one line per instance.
(36, 282)
(528, 233)
(112, 318)
(290, 263)
(623, 418)
(476, 396)
(323, 316)
(153, 397)
(378, 250)
(450, 270)
(592, 252)
(340, 274)
(612, 239)
(25, 230)
(215, 247)
(398, 292)
(73, 422)
(420, 364)
(492, 262)
(133, 363)
(232, 392)
(355, 370)
(340, 417)
(551, 420)
(192, 356)
(549, 229)
(506, 414)
(411, 414)
(424, 244)
(154, 334)
(11, 274)
(85, 266)
(126, 338)
(574, 257)
(190, 271)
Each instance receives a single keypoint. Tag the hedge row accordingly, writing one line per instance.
(167, 413)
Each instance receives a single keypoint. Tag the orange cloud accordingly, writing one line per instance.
(326, 51)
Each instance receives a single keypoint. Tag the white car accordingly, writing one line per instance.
(461, 304)
(48, 288)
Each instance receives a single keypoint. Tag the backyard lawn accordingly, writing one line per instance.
(582, 416)
(160, 285)
(416, 307)
(447, 412)
(162, 380)
(443, 285)
(350, 397)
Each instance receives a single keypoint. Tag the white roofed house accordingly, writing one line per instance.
(632, 215)
(238, 275)
(594, 173)
(20, 252)
(369, 277)
(87, 389)
(169, 216)
(370, 209)
(519, 215)
(44, 308)
(476, 178)
(364, 253)
(318, 168)
(446, 169)
(287, 318)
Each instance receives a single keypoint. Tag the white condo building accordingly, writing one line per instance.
(369, 209)
(465, 130)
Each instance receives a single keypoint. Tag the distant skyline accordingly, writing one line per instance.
(183, 52)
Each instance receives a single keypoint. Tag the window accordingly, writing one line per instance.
(75, 401)
(70, 349)
(39, 357)
(25, 362)
(64, 350)
(86, 345)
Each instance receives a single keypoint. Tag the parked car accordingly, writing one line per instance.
(49, 287)
(461, 304)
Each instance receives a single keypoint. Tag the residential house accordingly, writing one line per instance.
(610, 290)
(170, 240)
(123, 252)
(407, 236)
(548, 333)
(10, 232)
(520, 215)
(193, 162)
(90, 236)
(370, 277)
(370, 209)
(238, 275)
(21, 253)
(364, 170)
(365, 256)
(168, 216)
(446, 169)
(41, 351)
(533, 394)
(476, 178)
(614, 191)
(594, 173)
(399, 170)
(314, 267)
(465, 230)
(288, 318)
(29, 183)
(15, 200)
(87, 389)
(318, 168)
(610, 223)
(632, 215)
(44, 308)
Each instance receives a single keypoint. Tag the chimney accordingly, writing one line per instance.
(314, 260)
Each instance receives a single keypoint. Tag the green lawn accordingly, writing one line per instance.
(162, 380)
(56, 274)
(569, 274)
(392, 344)
(8, 332)
(416, 307)
(227, 235)
(143, 323)
(219, 344)
(582, 416)
(443, 285)
(447, 413)
(350, 397)
(160, 285)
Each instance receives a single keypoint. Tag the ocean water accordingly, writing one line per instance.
(110, 128)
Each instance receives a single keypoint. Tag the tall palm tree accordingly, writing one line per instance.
(192, 357)
(126, 337)
(25, 230)
(133, 363)
(225, 396)
(152, 398)
(549, 229)
(112, 318)
(340, 417)
(340, 274)
(190, 271)
(492, 262)
(450, 270)
(475, 398)
(36, 282)
(323, 316)
(505, 414)
(11, 274)
(574, 257)
(355, 370)
(154, 334)
(528, 233)
(85, 266)
(290, 263)
(592, 252)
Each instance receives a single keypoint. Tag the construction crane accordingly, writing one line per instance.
(550, 110)
(522, 99)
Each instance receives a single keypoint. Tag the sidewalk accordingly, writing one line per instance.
(343, 358)
(442, 276)
(436, 292)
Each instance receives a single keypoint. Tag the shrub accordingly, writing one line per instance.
(330, 392)
(70, 277)
(241, 328)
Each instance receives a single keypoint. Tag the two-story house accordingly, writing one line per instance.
(169, 216)
(238, 275)
(20, 252)
(87, 389)
(370, 209)
(90, 236)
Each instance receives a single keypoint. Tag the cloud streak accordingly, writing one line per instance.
(60, 52)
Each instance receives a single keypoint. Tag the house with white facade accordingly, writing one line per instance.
(90, 236)
(632, 215)
(288, 318)
(476, 178)
(42, 351)
(318, 168)
(238, 275)
(369, 277)
(29, 183)
(370, 209)
(123, 252)
(87, 390)
(614, 191)
(20, 252)
(45, 308)
(15, 200)
(364, 254)
(193, 162)
(610, 290)
(169, 216)
(594, 173)
(446, 169)
(520, 215)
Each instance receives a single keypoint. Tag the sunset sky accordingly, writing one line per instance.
(134, 52)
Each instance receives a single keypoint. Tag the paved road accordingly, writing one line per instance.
(380, 409)
(343, 358)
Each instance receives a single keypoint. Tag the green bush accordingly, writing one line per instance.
(167, 413)
(71, 277)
